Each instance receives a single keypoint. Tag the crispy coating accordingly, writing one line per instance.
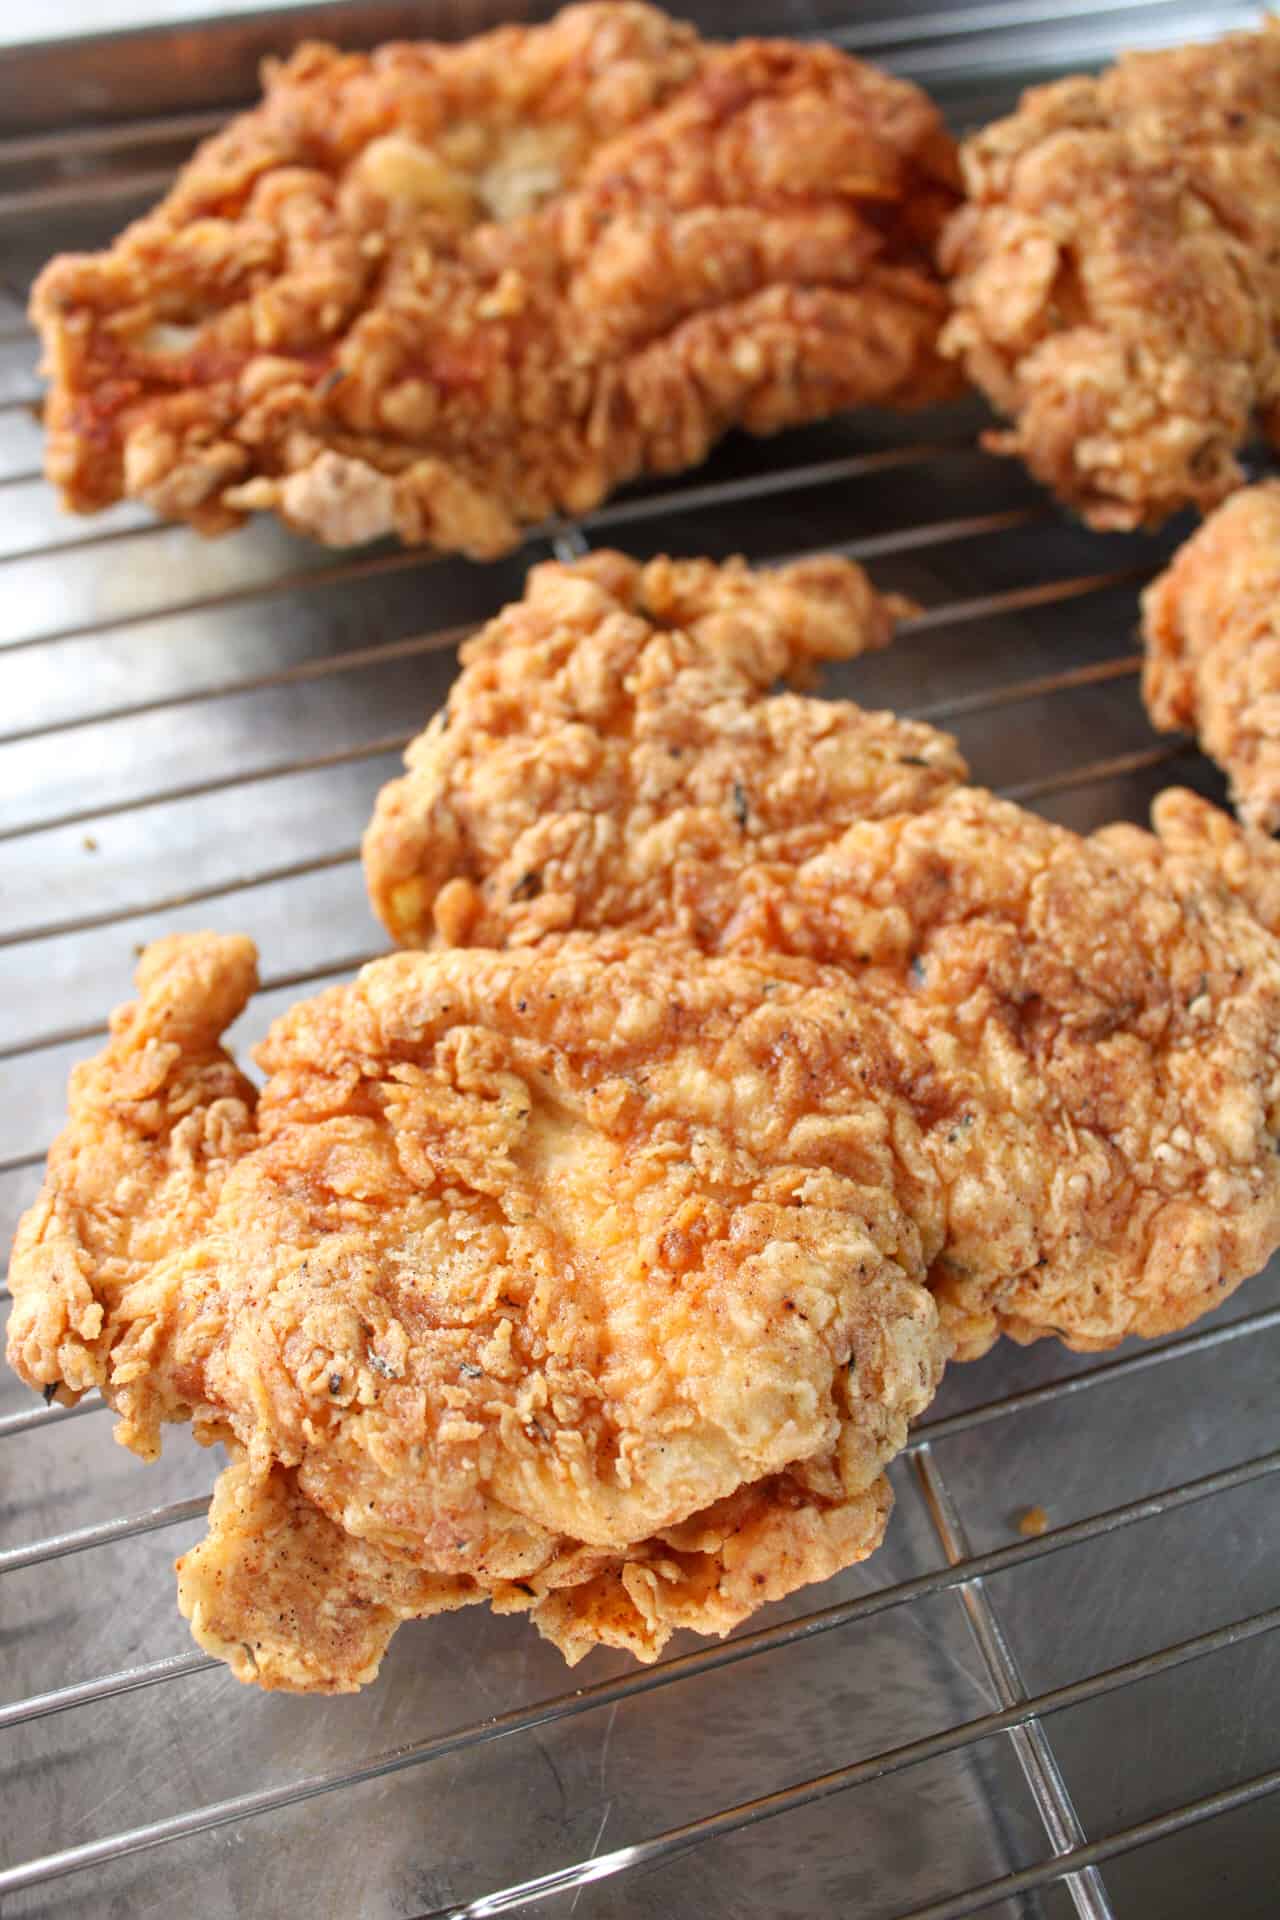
(587, 1280)
(1116, 276)
(1103, 1021)
(1211, 623)
(160, 1120)
(1198, 848)
(1108, 1035)
(289, 1600)
(613, 743)
(447, 291)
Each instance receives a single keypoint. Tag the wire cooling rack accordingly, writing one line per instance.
(982, 1718)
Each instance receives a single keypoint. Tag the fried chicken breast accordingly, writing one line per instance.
(1211, 623)
(1108, 1033)
(1104, 1030)
(1116, 276)
(447, 291)
(616, 728)
(588, 1280)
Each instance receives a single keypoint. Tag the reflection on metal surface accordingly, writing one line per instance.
(1014, 1720)
(1030, 1742)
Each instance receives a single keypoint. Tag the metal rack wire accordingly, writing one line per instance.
(186, 702)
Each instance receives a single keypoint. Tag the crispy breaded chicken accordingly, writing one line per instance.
(587, 1280)
(1201, 846)
(447, 291)
(1108, 1033)
(1116, 276)
(615, 733)
(1211, 623)
(1105, 1035)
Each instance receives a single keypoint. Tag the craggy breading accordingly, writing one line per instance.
(1105, 1034)
(289, 1599)
(448, 291)
(1211, 623)
(613, 735)
(589, 1280)
(1117, 276)
(1243, 862)
(1198, 848)
(589, 1277)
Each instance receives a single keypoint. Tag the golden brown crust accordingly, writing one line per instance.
(1211, 623)
(1200, 849)
(1242, 861)
(293, 1603)
(162, 1117)
(447, 291)
(1116, 275)
(612, 749)
(1102, 1021)
(1106, 1037)
(593, 1268)
(290, 1601)
(588, 1277)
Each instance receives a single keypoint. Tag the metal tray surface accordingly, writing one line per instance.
(191, 735)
